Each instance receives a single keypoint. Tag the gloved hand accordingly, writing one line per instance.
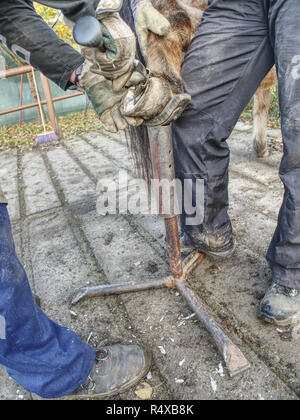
(149, 19)
(116, 63)
(106, 103)
(154, 102)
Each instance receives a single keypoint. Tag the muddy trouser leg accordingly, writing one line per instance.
(43, 357)
(284, 251)
(228, 58)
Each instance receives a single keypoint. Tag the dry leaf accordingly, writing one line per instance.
(144, 391)
(24, 138)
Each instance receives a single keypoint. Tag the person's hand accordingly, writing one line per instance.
(119, 42)
(149, 19)
(106, 103)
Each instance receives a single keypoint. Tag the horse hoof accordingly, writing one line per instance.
(261, 150)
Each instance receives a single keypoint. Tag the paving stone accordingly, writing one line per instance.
(9, 182)
(115, 149)
(39, 193)
(59, 269)
(74, 182)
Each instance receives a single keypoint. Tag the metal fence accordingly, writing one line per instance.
(13, 99)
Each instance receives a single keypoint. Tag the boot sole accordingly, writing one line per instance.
(214, 255)
(120, 390)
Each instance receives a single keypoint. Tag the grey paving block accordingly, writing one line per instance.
(59, 268)
(9, 182)
(114, 148)
(74, 182)
(39, 192)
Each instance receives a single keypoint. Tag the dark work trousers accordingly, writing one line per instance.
(234, 48)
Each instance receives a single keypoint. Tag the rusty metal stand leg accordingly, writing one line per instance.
(163, 167)
(50, 105)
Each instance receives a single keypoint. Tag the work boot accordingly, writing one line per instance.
(281, 306)
(117, 368)
(187, 246)
(217, 247)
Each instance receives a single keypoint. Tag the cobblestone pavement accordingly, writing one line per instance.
(65, 245)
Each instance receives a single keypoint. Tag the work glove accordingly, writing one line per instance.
(119, 42)
(149, 19)
(105, 101)
(154, 102)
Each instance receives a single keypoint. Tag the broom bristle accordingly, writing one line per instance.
(47, 137)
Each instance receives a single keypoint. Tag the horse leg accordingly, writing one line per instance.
(260, 121)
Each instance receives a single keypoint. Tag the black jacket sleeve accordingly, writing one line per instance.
(72, 9)
(24, 32)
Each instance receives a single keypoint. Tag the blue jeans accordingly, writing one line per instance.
(43, 357)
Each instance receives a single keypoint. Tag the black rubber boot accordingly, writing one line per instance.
(117, 368)
(281, 306)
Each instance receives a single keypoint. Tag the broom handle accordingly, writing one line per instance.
(39, 100)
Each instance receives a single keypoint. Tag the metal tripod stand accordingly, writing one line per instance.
(163, 167)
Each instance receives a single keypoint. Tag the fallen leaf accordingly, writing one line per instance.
(144, 391)
(24, 138)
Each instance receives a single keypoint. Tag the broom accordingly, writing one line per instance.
(45, 137)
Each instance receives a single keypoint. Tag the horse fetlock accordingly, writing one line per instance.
(260, 147)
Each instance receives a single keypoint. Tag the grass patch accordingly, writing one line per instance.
(274, 115)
